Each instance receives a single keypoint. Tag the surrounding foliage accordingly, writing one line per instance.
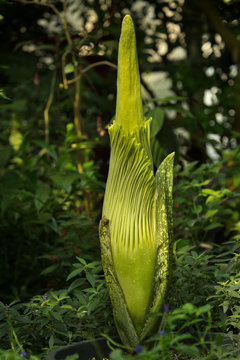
(58, 85)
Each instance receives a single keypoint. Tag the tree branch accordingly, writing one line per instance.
(36, 2)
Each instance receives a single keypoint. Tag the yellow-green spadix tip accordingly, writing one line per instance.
(129, 112)
(127, 25)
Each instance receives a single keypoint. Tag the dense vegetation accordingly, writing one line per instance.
(58, 85)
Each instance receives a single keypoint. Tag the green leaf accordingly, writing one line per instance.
(56, 316)
(82, 261)
(93, 305)
(203, 309)
(49, 149)
(190, 350)
(225, 305)
(197, 184)
(74, 273)
(69, 68)
(189, 168)
(72, 357)
(164, 143)
(51, 341)
(42, 195)
(49, 269)
(2, 94)
(157, 116)
(158, 151)
(65, 181)
(198, 209)
(90, 279)
(76, 283)
(206, 192)
(67, 307)
(81, 298)
(213, 226)
(236, 180)
(211, 213)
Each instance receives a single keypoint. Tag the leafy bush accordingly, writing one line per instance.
(207, 243)
(46, 207)
(205, 285)
(59, 317)
(182, 337)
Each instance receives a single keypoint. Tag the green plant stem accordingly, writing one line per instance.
(13, 335)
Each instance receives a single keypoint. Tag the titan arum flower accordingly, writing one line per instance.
(136, 227)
